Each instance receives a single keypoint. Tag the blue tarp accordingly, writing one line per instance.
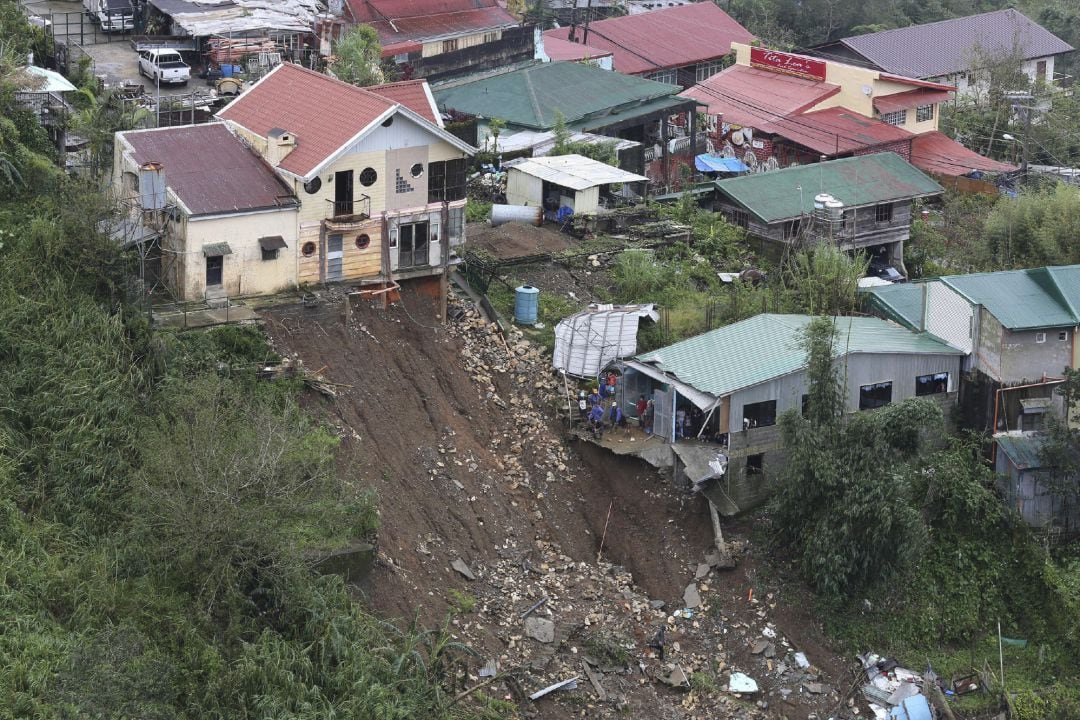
(913, 708)
(715, 163)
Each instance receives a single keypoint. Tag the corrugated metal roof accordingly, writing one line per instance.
(1025, 299)
(39, 80)
(910, 99)
(209, 169)
(937, 153)
(588, 341)
(530, 96)
(665, 38)
(1023, 450)
(855, 181)
(559, 49)
(764, 347)
(946, 47)
(756, 98)
(837, 131)
(576, 172)
(902, 302)
(409, 22)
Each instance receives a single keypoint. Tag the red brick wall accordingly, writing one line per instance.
(900, 147)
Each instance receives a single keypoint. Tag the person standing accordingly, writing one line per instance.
(680, 424)
(583, 407)
(641, 405)
(596, 421)
(650, 410)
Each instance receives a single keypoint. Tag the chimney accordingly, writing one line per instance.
(279, 143)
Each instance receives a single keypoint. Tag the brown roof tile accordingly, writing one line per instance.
(413, 94)
(210, 169)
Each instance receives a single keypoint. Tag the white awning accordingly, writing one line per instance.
(703, 400)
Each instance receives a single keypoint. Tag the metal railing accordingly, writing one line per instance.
(360, 206)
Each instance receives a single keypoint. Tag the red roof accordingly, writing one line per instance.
(561, 50)
(836, 131)
(209, 169)
(756, 98)
(321, 112)
(937, 153)
(661, 39)
(909, 99)
(404, 24)
(413, 94)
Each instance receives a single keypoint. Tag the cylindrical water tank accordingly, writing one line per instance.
(501, 214)
(526, 304)
(152, 186)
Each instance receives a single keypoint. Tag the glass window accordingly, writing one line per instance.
(755, 464)
(446, 180)
(759, 414)
(931, 384)
(898, 117)
(875, 395)
(924, 113)
(706, 70)
(671, 77)
(883, 212)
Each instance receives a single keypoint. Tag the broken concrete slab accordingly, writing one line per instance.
(742, 683)
(801, 661)
(702, 571)
(459, 565)
(814, 688)
(675, 678)
(540, 629)
(691, 596)
(759, 646)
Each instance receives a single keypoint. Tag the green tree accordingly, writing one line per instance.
(823, 280)
(843, 503)
(1039, 227)
(358, 57)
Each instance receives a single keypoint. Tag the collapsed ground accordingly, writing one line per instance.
(457, 430)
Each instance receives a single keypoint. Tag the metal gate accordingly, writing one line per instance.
(663, 420)
(334, 255)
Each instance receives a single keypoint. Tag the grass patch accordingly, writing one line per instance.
(462, 602)
(608, 648)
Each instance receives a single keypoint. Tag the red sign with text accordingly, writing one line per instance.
(781, 62)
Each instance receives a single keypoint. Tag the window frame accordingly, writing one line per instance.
(932, 380)
(869, 388)
(449, 46)
(705, 70)
(769, 421)
(883, 213)
(923, 113)
(269, 255)
(896, 118)
(668, 77)
(755, 464)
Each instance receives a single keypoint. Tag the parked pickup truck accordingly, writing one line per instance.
(164, 66)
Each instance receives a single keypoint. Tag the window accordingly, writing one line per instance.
(412, 245)
(791, 229)
(1040, 337)
(759, 414)
(308, 249)
(738, 216)
(706, 70)
(883, 212)
(755, 464)
(362, 241)
(456, 226)
(368, 176)
(449, 45)
(388, 121)
(401, 185)
(269, 254)
(931, 384)
(1063, 336)
(313, 185)
(898, 117)
(671, 77)
(417, 170)
(924, 113)
(446, 180)
(875, 396)
(491, 37)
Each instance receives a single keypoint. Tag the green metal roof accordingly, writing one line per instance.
(1044, 297)
(764, 347)
(1023, 450)
(530, 96)
(902, 302)
(856, 181)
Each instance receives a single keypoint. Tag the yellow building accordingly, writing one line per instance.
(306, 180)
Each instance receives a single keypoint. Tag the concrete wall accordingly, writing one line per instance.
(1025, 359)
(244, 272)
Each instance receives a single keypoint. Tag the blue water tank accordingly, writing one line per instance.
(526, 302)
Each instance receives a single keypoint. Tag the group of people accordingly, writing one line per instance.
(597, 417)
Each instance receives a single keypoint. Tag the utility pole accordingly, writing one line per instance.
(588, 17)
(1016, 97)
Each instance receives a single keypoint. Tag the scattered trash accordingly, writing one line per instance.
(964, 684)
(594, 678)
(769, 633)
(490, 669)
(801, 661)
(465, 571)
(742, 683)
(533, 608)
(657, 642)
(685, 613)
(915, 707)
(902, 693)
(568, 684)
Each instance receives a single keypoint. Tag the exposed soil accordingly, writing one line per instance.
(457, 431)
(514, 240)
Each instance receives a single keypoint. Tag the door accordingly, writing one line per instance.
(1040, 71)
(413, 245)
(663, 422)
(343, 193)
(334, 255)
(214, 266)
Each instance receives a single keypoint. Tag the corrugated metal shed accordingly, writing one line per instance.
(1025, 299)
(946, 47)
(530, 96)
(1023, 450)
(576, 172)
(209, 169)
(767, 346)
(856, 181)
(665, 38)
(587, 342)
(201, 18)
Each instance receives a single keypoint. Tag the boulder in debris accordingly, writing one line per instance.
(675, 678)
(540, 629)
(459, 565)
(691, 596)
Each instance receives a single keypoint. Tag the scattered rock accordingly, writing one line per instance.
(675, 678)
(742, 683)
(540, 629)
(815, 688)
(801, 661)
(691, 596)
(466, 572)
(760, 646)
(702, 571)
(657, 604)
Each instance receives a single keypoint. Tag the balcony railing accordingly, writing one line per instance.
(358, 208)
